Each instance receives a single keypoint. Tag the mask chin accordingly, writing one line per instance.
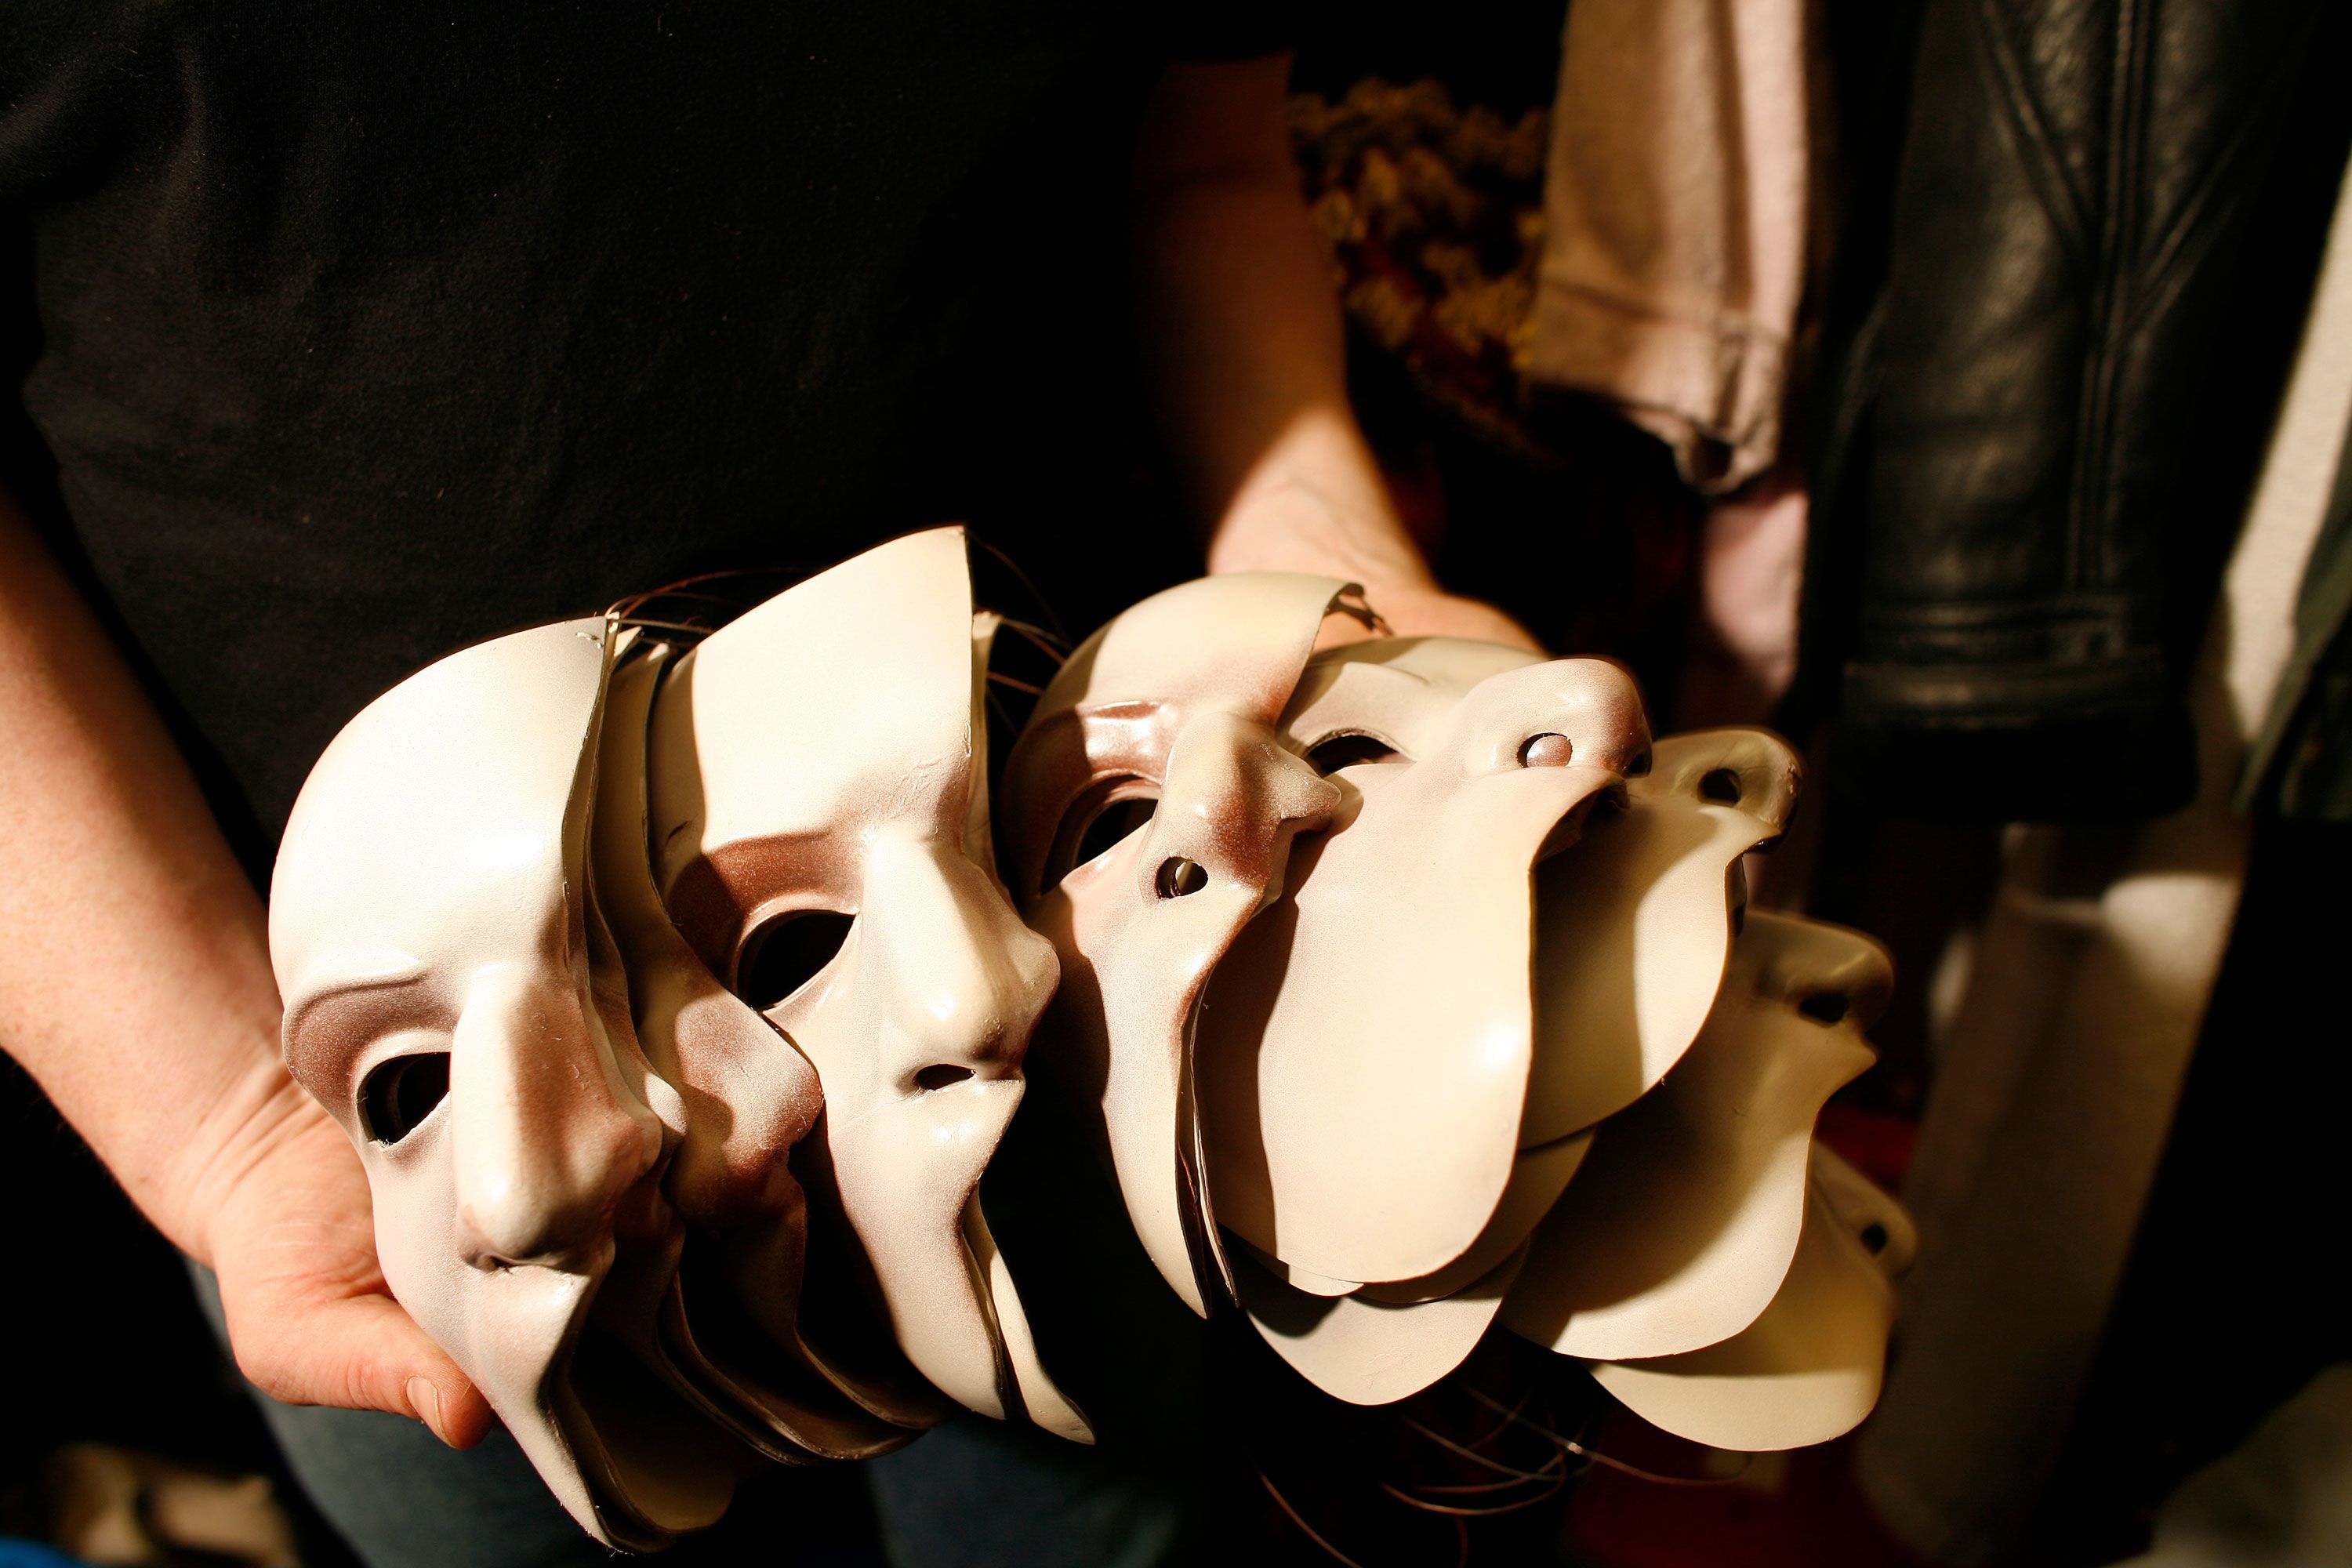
(656, 1467)
(762, 1381)
(1035, 1390)
(969, 1338)
(560, 1357)
(1681, 1226)
(1366, 1350)
(1806, 1370)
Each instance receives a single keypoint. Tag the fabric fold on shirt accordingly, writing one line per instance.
(1677, 209)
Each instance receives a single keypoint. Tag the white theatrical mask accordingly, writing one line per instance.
(729, 1323)
(1679, 1230)
(1809, 1368)
(1372, 1096)
(1151, 806)
(430, 931)
(818, 817)
(1365, 1049)
(1469, 916)
(1627, 906)
(1361, 1119)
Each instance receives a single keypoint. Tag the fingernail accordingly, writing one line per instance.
(426, 1400)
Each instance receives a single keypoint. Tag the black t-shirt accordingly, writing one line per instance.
(365, 332)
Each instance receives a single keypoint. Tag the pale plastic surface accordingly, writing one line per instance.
(1635, 949)
(1539, 1176)
(1658, 889)
(1809, 1368)
(1364, 1049)
(1380, 1100)
(1867, 1210)
(1298, 1279)
(818, 754)
(427, 900)
(1678, 1230)
(750, 1098)
(1366, 1351)
(1175, 701)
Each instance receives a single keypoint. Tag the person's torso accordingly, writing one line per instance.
(370, 331)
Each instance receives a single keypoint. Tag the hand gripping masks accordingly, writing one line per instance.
(1395, 987)
(672, 1003)
(432, 946)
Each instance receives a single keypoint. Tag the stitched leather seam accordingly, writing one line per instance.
(2033, 692)
(2193, 230)
(2030, 134)
(2089, 503)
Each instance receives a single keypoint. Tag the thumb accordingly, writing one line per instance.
(431, 1387)
(363, 1353)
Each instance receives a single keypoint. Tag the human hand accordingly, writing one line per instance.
(1412, 610)
(1295, 526)
(202, 1127)
(292, 1239)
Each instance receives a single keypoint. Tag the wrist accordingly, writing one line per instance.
(257, 1114)
(1294, 524)
(1315, 501)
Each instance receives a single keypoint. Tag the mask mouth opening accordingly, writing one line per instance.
(654, 1465)
(755, 1382)
(1569, 831)
(842, 1318)
(1558, 882)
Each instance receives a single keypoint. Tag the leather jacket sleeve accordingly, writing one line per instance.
(2058, 440)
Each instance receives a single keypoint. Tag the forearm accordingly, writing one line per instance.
(1243, 339)
(134, 975)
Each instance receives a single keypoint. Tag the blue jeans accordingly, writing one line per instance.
(974, 1494)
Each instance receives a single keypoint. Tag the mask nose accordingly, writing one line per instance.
(967, 979)
(544, 1141)
(1827, 973)
(1566, 712)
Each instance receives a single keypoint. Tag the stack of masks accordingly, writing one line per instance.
(1408, 986)
(672, 997)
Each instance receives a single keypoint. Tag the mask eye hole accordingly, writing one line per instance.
(1331, 754)
(1103, 818)
(402, 1092)
(784, 953)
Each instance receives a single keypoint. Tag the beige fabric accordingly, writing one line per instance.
(1741, 653)
(2065, 1055)
(124, 1509)
(1676, 212)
